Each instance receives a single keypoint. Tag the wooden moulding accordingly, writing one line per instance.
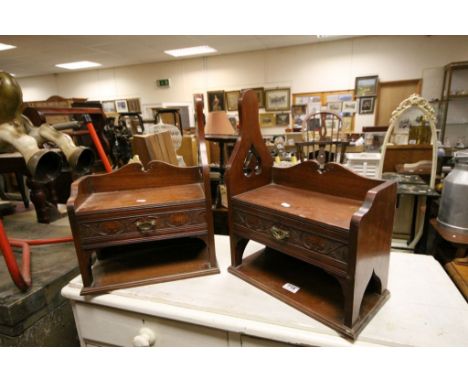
(326, 230)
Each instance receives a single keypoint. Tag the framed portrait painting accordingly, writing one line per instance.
(366, 86)
(278, 99)
(216, 101)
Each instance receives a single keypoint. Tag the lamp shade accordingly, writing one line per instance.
(218, 123)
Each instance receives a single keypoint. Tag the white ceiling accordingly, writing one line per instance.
(38, 55)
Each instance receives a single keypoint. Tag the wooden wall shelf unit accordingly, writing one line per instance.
(315, 224)
(143, 226)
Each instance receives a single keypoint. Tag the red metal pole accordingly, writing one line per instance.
(10, 260)
(97, 142)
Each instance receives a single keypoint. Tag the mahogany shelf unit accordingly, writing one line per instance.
(327, 231)
(141, 227)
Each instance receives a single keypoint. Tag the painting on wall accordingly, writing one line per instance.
(216, 101)
(282, 119)
(277, 99)
(232, 98)
(349, 107)
(366, 105)
(260, 92)
(267, 119)
(108, 106)
(366, 86)
(121, 106)
(335, 107)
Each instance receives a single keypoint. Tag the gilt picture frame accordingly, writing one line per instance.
(278, 99)
(366, 86)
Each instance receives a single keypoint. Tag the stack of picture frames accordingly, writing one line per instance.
(366, 91)
(276, 102)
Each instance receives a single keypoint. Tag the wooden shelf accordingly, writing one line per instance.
(137, 197)
(303, 204)
(153, 262)
(320, 295)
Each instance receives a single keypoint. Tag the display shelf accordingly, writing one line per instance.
(152, 262)
(271, 271)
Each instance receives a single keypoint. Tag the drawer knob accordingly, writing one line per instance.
(278, 233)
(144, 338)
(145, 225)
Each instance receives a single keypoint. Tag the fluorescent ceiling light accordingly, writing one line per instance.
(190, 51)
(78, 65)
(6, 46)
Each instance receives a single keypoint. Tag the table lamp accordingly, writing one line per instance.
(217, 124)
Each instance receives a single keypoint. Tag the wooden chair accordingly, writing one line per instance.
(322, 134)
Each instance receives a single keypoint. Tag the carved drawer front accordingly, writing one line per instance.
(137, 226)
(287, 235)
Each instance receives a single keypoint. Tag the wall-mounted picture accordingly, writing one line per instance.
(134, 105)
(277, 99)
(108, 106)
(267, 119)
(298, 115)
(349, 107)
(232, 98)
(335, 107)
(216, 101)
(282, 119)
(366, 86)
(347, 124)
(366, 105)
(121, 106)
(260, 96)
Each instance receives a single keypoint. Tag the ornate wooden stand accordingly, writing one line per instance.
(144, 226)
(327, 232)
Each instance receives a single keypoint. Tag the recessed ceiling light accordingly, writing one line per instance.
(190, 51)
(78, 65)
(6, 46)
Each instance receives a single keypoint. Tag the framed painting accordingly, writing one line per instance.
(216, 101)
(366, 105)
(121, 106)
(282, 119)
(260, 96)
(267, 119)
(349, 107)
(366, 86)
(278, 99)
(232, 98)
(108, 106)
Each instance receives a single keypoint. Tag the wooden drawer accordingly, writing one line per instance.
(308, 242)
(98, 325)
(98, 231)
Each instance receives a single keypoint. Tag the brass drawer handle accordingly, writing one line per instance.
(145, 225)
(279, 234)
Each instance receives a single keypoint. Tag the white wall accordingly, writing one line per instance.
(315, 67)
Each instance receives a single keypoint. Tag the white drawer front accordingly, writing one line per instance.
(99, 325)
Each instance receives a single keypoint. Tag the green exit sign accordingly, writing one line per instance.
(163, 83)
